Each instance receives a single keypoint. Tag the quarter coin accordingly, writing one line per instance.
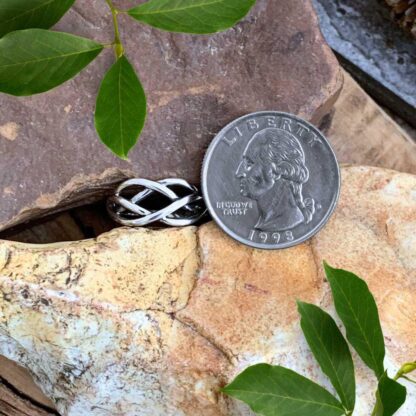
(270, 180)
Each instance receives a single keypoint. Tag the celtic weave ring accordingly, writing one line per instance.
(181, 210)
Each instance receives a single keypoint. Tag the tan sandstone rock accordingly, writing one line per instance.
(140, 322)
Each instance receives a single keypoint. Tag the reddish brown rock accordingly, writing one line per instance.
(50, 156)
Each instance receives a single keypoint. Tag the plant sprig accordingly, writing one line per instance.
(277, 391)
(34, 59)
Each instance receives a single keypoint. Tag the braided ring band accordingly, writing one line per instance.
(180, 211)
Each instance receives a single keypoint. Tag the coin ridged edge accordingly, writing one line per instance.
(232, 234)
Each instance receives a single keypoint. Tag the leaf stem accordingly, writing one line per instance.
(405, 369)
(377, 405)
(118, 46)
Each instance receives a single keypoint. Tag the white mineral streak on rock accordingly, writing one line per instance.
(141, 323)
(9, 130)
(94, 323)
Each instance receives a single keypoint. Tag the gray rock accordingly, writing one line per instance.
(380, 54)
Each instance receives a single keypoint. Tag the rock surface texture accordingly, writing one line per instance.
(359, 31)
(140, 323)
(50, 155)
(363, 134)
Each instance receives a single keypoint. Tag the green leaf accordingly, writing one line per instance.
(192, 16)
(406, 369)
(121, 108)
(390, 396)
(278, 391)
(330, 350)
(26, 14)
(36, 60)
(357, 309)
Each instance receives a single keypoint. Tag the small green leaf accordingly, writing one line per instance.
(121, 108)
(36, 60)
(330, 350)
(357, 309)
(390, 396)
(278, 391)
(26, 14)
(192, 16)
(406, 369)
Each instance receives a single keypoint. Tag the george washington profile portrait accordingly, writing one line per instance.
(272, 172)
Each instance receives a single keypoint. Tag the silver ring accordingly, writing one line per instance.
(182, 210)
